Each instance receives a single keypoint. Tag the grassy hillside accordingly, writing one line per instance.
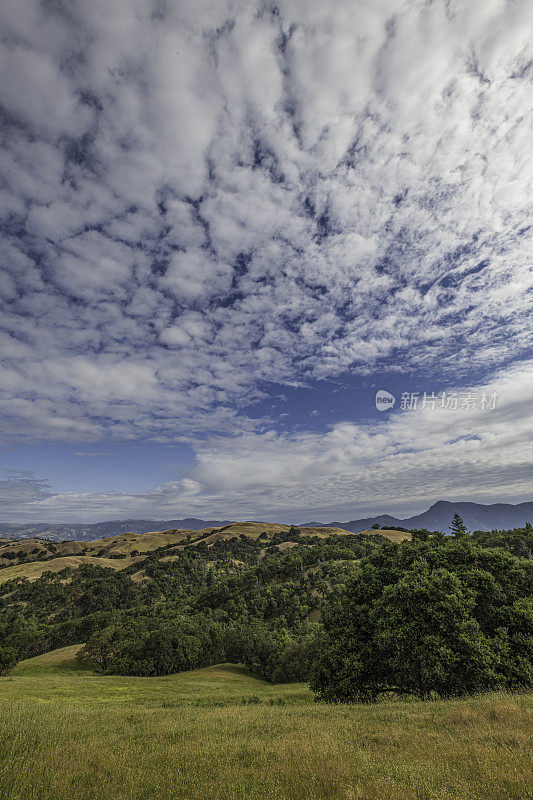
(121, 544)
(142, 542)
(126, 547)
(220, 734)
(57, 662)
(30, 558)
(34, 569)
(391, 535)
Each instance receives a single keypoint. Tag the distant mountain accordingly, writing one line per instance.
(99, 530)
(476, 516)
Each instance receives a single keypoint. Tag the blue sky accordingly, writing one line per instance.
(226, 225)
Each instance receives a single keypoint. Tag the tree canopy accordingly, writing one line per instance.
(428, 618)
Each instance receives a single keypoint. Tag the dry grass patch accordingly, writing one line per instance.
(255, 529)
(125, 543)
(392, 535)
(34, 569)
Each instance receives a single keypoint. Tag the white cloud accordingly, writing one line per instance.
(21, 487)
(52, 109)
(399, 464)
(201, 198)
(193, 276)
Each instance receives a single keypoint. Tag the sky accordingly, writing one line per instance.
(227, 225)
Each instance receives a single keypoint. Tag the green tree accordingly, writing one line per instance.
(426, 635)
(421, 535)
(425, 617)
(8, 658)
(101, 648)
(458, 528)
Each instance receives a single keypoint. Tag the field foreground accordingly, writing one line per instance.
(220, 734)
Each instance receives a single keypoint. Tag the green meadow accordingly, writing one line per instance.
(220, 734)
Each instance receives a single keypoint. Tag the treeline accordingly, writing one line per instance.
(160, 645)
(356, 615)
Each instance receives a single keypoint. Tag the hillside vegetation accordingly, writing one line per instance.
(224, 587)
(126, 547)
(435, 614)
(33, 570)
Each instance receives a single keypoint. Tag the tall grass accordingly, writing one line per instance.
(219, 734)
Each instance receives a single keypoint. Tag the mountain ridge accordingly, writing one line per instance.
(476, 516)
(75, 531)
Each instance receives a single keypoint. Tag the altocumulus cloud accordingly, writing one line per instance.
(200, 198)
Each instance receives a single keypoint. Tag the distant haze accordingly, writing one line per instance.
(476, 517)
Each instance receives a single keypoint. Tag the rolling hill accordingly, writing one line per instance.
(99, 530)
(34, 569)
(30, 558)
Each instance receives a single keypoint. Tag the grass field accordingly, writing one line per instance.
(220, 734)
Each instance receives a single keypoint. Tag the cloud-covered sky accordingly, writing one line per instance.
(225, 224)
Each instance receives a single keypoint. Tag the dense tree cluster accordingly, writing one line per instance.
(160, 645)
(438, 615)
(443, 617)
(256, 596)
